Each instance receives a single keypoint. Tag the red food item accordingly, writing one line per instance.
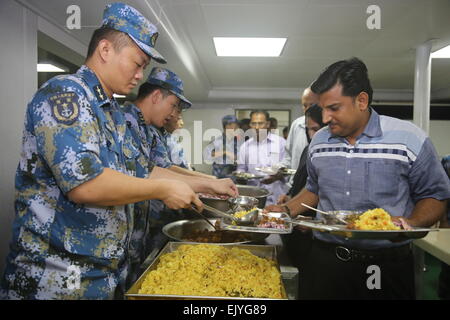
(271, 222)
(213, 196)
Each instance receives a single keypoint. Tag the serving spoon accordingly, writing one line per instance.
(325, 213)
(248, 219)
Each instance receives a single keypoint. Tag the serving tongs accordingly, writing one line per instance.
(196, 210)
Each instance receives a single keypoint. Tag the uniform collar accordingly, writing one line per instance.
(94, 84)
(134, 109)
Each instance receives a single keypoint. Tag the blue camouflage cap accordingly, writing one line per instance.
(122, 17)
(226, 120)
(168, 80)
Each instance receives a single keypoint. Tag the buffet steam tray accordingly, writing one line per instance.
(343, 231)
(263, 251)
(227, 225)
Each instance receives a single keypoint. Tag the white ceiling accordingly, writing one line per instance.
(319, 33)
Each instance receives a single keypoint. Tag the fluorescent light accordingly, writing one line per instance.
(118, 95)
(249, 47)
(47, 67)
(442, 53)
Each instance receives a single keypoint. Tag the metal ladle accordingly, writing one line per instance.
(248, 219)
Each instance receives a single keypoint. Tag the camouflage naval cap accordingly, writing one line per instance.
(122, 17)
(168, 80)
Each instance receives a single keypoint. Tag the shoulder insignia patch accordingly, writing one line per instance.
(99, 93)
(65, 107)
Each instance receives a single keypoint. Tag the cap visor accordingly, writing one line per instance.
(149, 50)
(185, 103)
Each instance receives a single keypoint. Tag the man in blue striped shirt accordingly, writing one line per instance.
(363, 161)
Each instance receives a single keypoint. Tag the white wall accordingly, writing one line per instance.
(440, 136)
(18, 82)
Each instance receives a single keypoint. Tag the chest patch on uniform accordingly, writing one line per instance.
(65, 108)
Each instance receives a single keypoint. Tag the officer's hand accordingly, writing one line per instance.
(224, 186)
(178, 195)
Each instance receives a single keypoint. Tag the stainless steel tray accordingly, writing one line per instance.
(227, 225)
(247, 175)
(341, 230)
(263, 251)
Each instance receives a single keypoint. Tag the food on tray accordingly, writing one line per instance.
(376, 219)
(244, 175)
(213, 196)
(287, 171)
(272, 222)
(212, 270)
(218, 236)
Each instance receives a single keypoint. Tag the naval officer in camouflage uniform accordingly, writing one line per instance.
(77, 172)
(159, 99)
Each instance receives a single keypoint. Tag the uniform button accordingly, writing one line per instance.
(349, 172)
(347, 193)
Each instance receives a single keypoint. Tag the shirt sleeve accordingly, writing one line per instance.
(67, 134)
(427, 178)
(286, 162)
(312, 181)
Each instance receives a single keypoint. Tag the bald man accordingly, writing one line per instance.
(296, 140)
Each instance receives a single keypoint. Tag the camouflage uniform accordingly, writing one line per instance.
(72, 132)
(148, 227)
(60, 249)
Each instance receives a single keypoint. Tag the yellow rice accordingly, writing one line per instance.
(212, 270)
(241, 214)
(376, 219)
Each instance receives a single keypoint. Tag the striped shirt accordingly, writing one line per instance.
(392, 165)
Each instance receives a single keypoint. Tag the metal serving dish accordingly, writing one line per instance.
(259, 193)
(228, 225)
(263, 251)
(341, 230)
(182, 229)
(250, 191)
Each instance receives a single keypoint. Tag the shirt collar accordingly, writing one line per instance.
(94, 84)
(269, 138)
(372, 129)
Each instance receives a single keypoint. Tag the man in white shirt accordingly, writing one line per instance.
(263, 149)
(296, 140)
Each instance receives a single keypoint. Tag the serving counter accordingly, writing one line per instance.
(437, 244)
